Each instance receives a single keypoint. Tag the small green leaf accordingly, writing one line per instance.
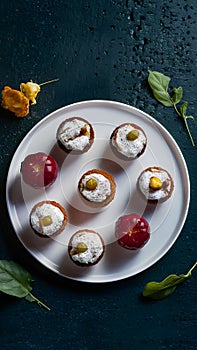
(177, 95)
(183, 108)
(16, 281)
(151, 292)
(159, 84)
(160, 290)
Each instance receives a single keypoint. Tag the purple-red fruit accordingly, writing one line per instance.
(39, 170)
(132, 231)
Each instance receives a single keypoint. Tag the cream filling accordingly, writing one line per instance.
(94, 247)
(162, 193)
(128, 148)
(69, 135)
(42, 211)
(102, 190)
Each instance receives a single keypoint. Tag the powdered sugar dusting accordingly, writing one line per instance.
(94, 247)
(41, 211)
(71, 137)
(144, 181)
(102, 190)
(128, 148)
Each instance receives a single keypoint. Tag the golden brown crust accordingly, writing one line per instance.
(112, 183)
(70, 247)
(113, 136)
(56, 205)
(91, 140)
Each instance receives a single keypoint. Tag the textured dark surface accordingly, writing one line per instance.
(99, 50)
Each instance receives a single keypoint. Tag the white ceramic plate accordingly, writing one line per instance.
(166, 219)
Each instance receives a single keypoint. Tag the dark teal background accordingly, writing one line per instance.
(99, 50)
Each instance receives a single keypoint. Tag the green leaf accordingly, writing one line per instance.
(177, 95)
(151, 292)
(160, 290)
(183, 109)
(14, 280)
(164, 288)
(159, 84)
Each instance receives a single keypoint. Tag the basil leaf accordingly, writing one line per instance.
(177, 95)
(160, 290)
(159, 84)
(182, 114)
(183, 108)
(151, 292)
(16, 281)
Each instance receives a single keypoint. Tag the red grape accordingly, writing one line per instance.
(132, 231)
(39, 170)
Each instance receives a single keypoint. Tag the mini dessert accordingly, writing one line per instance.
(86, 247)
(156, 184)
(75, 134)
(129, 140)
(97, 187)
(132, 231)
(48, 218)
(39, 170)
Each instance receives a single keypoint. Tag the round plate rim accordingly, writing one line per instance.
(129, 108)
